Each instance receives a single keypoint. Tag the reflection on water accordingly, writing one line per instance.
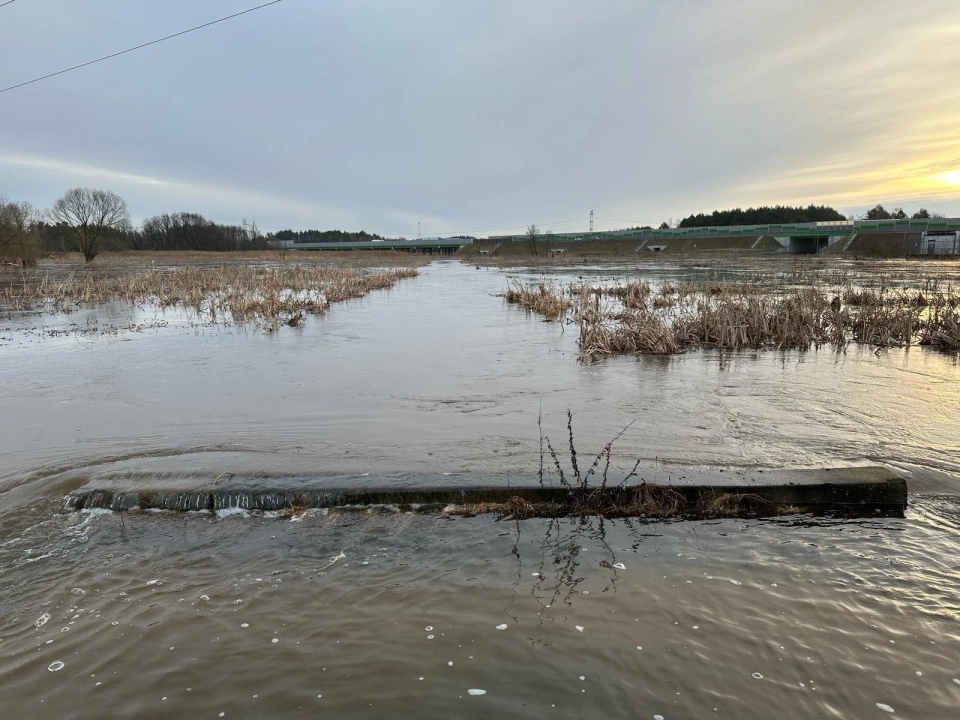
(344, 614)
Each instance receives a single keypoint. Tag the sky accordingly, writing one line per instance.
(484, 116)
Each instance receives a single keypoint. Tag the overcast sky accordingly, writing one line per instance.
(479, 116)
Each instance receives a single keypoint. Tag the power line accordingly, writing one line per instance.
(8, 2)
(138, 47)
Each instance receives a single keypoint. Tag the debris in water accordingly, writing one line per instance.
(658, 717)
(429, 628)
(885, 708)
(476, 691)
(42, 620)
(758, 676)
(55, 665)
(579, 628)
(78, 592)
(275, 640)
(244, 625)
(639, 648)
(152, 582)
(450, 663)
(620, 566)
(502, 627)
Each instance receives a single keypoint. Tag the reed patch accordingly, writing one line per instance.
(263, 297)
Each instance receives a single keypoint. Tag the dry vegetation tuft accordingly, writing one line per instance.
(730, 316)
(542, 299)
(264, 296)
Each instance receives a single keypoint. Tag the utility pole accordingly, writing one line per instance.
(418, 231)
(591, 221)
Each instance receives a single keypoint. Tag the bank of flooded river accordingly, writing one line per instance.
(438, 380)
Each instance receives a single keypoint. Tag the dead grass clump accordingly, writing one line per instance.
(656, 501)
(719, 504)
(542, 299)
(941, 327)
(517, 508)
(636, 332)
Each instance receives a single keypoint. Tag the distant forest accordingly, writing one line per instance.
(312, 236)
(763, 216)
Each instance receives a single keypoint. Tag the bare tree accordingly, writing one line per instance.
(19, 239)
(533, 232)
(91, 214)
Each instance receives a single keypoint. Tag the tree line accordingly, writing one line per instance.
(335, 236)
(779, 214)
(767, 215)
(90, 221)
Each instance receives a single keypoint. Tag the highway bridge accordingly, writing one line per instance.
(793, 237)
(429, 246)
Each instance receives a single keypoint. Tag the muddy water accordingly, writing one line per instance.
(437, 380)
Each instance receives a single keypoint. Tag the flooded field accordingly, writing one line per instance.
(439, 380)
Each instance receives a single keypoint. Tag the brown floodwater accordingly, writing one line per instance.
(394, 615)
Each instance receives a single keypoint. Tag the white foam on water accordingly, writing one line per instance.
(502, 626)
(758, 676)
(244, 625)
(476, 691)
(429, 637)
(450, 663)
(639, 648)
(658, 717)
(42, 620)
(56, 665)
(956, 681)
(536, 574)
(579, 628)
(275, 640)
(78, 592)
(736, 582)
(583, 677)
(620, 566)
(885, 708)
(227, 512)
(152, 582)
(429, 628)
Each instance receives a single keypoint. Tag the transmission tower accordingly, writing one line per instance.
(591, 221)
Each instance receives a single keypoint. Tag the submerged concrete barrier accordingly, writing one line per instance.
(851, 491)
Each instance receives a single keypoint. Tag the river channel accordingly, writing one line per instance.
(439, 381)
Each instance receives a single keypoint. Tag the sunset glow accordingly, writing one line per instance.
(952, 177)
